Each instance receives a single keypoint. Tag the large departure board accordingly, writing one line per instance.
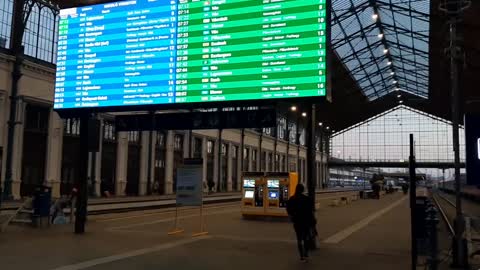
(148, 52)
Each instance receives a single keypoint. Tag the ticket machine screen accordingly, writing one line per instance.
(273, 194)
(249, 194)
(273, 183)
(248, 183)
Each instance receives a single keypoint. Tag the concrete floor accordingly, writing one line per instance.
(367, 234)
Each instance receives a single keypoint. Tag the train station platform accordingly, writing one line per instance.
(132, 203)
(366, 234)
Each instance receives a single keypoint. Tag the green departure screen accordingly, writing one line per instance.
(166, 52)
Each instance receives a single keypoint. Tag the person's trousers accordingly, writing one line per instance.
(302, 232)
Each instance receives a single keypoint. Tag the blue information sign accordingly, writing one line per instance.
(120, 50)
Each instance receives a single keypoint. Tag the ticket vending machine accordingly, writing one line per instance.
(253, 193)
(280, 187)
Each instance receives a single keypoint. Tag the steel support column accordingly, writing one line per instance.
(82, 184)
(311, 153)
(460, 256)
(18, 29)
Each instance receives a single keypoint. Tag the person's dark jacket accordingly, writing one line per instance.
(300, 209)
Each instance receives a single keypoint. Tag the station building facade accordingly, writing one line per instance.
(45, 148)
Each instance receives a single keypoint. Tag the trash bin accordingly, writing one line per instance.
(41, 205)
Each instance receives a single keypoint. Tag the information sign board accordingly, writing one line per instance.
(189, 183)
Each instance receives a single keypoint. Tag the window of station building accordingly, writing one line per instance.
(40, 39)
(197, 147)
(159, 163)
(210, 147)
(109, 130)
(178, 142)
(267, 131)
(133, 136)
(160, 139)
(302, 136)
(254, 155)
(282, 128)
(234, 151)
(37, 118)
(6, 15)
(386, 138)
(293, 132)
(245, 153)
(224, 149)
(72, 126)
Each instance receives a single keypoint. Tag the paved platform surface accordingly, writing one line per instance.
(367, 234)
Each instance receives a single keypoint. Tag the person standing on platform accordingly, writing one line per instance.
(301, 212)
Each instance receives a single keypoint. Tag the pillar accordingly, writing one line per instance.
(3, 133)
(98, 163)
(250, 158)
(239, 170)
(169, 166)
(269, 162)
(230, 167)
(325, 170)
(204, 157)
(259, 152)
(216, 163)
(95, 180)
(143, 175)
(18, 150)
(122, 163)
(54, 153)
(187, 141)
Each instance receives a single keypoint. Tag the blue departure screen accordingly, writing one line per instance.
(124, 51)
(144, 52)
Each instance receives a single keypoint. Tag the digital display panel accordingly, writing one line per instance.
(248, 183)
(273, 195)
(249, 194)
(273, 183)
(151, 52)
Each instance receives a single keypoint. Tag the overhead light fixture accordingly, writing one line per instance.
(375, 16)
(401, 101)
(385, 51)
(394, 82)
(392, 73)
(397, 89)
(304, 114)
(399, 96)
(327, 127)
(389, 63)
(380, 36)
(293, 108)
(320, 124)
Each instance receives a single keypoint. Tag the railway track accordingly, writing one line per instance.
(447, 209)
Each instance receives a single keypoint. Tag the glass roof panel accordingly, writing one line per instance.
(395, 42)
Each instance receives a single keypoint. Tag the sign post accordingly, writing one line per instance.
(190, 191)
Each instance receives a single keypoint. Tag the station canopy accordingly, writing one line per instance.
(389, 53)
(383, 44)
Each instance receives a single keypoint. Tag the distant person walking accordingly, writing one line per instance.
(301, 211)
